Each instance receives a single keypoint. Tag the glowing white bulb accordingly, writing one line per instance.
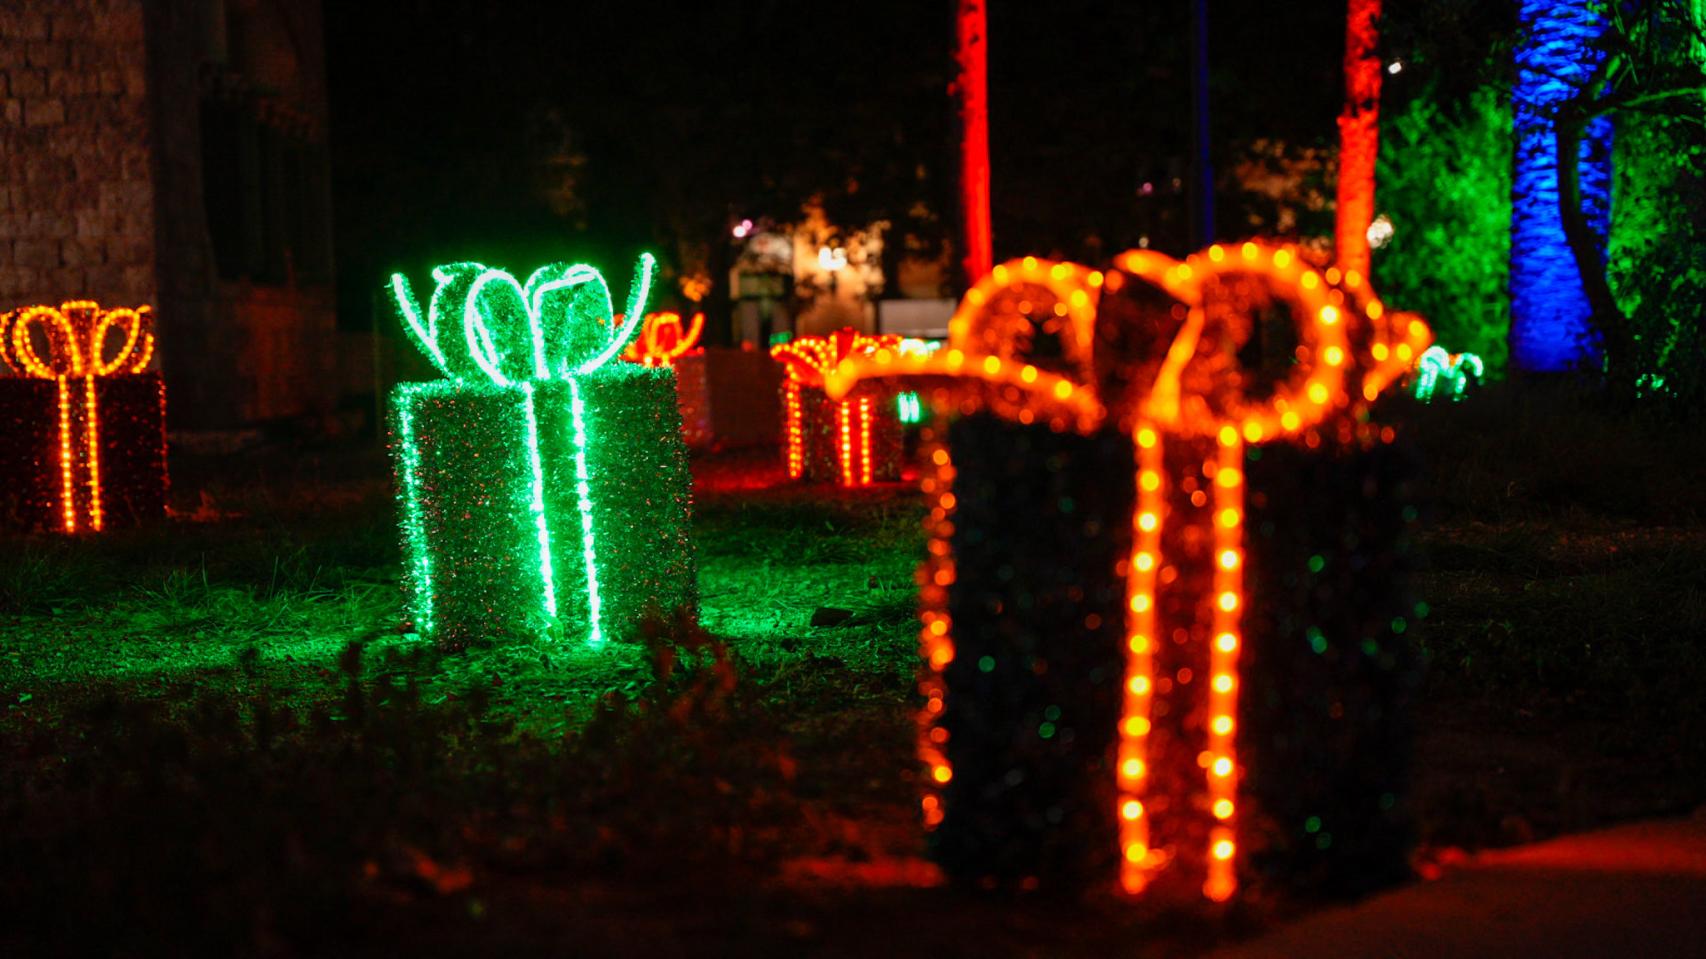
(1380, 231)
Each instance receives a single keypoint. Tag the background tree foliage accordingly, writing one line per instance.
(1445, 181)
(1656, 262)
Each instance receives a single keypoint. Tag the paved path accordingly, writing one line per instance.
(1636, 891)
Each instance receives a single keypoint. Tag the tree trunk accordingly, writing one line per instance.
(1607, 318)
(719, 302)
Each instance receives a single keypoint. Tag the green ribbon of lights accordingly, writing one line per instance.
(555, 326)
(1437, 367)
(908, 408)
(559, 325)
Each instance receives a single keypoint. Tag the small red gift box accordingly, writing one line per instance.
(82, 433)
(854, 441)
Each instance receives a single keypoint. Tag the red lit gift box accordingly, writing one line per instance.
(728, 398)
(853, 441)
(82, 424)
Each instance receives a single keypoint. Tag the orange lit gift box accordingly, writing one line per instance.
(853, 441)
(1165, 604)
(82, 424)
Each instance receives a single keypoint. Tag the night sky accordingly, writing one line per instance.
(518, 132)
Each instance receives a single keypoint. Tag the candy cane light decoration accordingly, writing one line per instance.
(1193, 392)
(76, 334)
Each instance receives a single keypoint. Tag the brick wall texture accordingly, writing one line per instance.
(76, 195)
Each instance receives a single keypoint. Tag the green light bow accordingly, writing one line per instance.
(557, 325)
(1436, 367)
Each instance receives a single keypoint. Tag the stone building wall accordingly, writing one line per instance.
(76, 202)
(173, 152)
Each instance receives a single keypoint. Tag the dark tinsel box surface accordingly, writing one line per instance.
(1033, 694)
(821, 430)
(37, 462)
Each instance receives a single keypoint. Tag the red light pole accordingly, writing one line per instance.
(972, 87)
(1359, 135)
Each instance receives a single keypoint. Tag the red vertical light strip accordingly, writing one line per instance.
(1137, 861)
(796, 441)
(67, 458)
(973, 89)
(165, 469)
(844, 421)
(936, 642)
(864, 441)
(1359, 136)
(92, 435)
(1227, 468)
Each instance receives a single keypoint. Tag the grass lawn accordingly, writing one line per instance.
(213, 736)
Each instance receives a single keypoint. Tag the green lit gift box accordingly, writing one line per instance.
(544, 486)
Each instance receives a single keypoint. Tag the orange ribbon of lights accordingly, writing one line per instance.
(663, 339)
(806, 361)
(75, 335)
(1350, 350)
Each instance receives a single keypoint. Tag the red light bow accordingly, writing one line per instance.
(663, 339)
(76, 334)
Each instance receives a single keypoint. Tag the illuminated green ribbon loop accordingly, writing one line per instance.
(555, 326)
(1454, 370)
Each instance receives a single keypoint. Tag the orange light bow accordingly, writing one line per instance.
(1350, 349)
(75, 336)
(806, 361)
(663, 339)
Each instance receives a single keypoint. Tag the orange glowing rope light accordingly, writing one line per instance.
(844, 418)
(663, 339)
(67, 459)
(806, 362)
(1195, 392)
(76, 334)
(864, 441)
(796, 432)
(92, 434)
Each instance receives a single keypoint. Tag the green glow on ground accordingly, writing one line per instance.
(184, 714)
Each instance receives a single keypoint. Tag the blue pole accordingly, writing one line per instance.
(1202, 213)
